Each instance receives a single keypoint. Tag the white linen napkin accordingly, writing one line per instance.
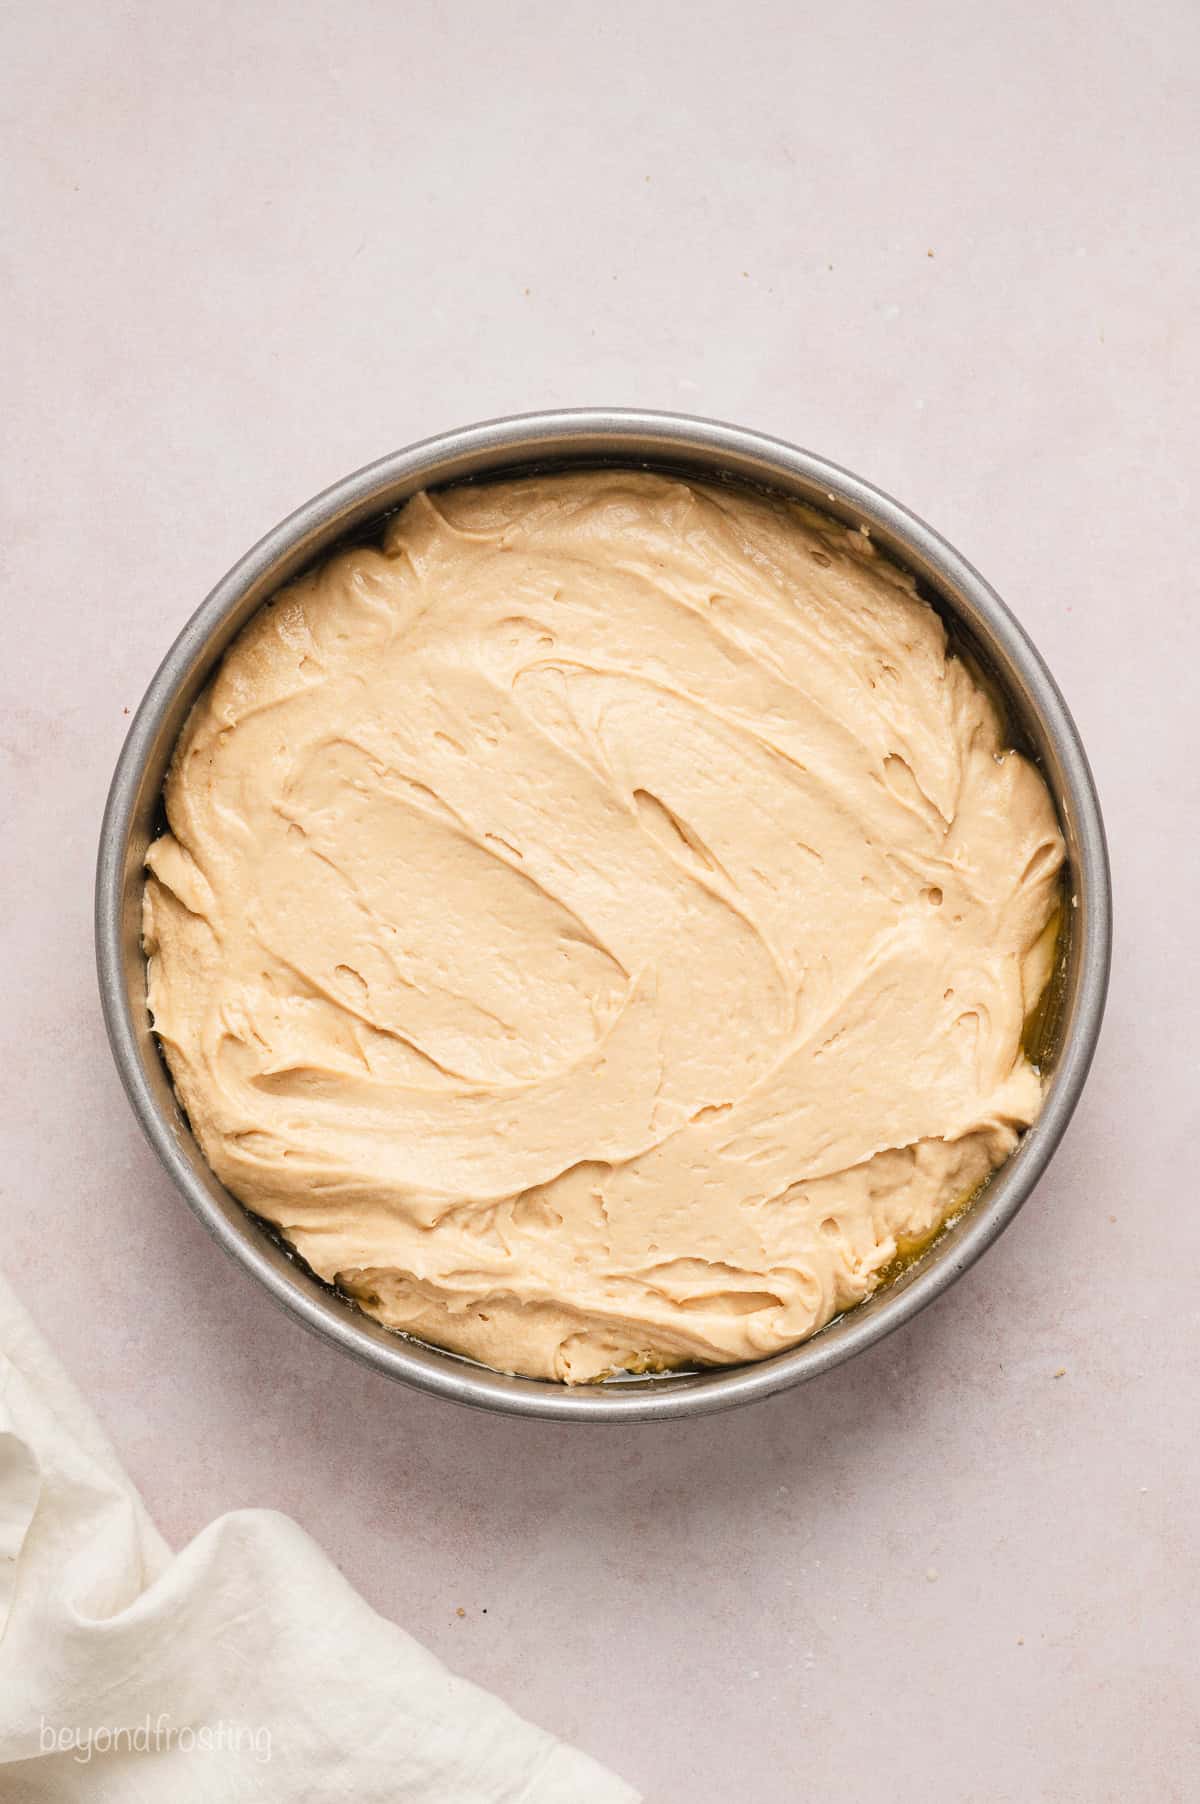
(244, 1667)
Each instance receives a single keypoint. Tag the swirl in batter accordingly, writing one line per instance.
(598, 926)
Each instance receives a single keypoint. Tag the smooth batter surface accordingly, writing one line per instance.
(598, 927)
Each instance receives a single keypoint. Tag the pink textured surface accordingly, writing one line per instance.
(954, 248)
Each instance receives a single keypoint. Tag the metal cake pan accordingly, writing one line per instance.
(979, 623)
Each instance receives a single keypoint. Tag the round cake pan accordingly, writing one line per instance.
(980, 625)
